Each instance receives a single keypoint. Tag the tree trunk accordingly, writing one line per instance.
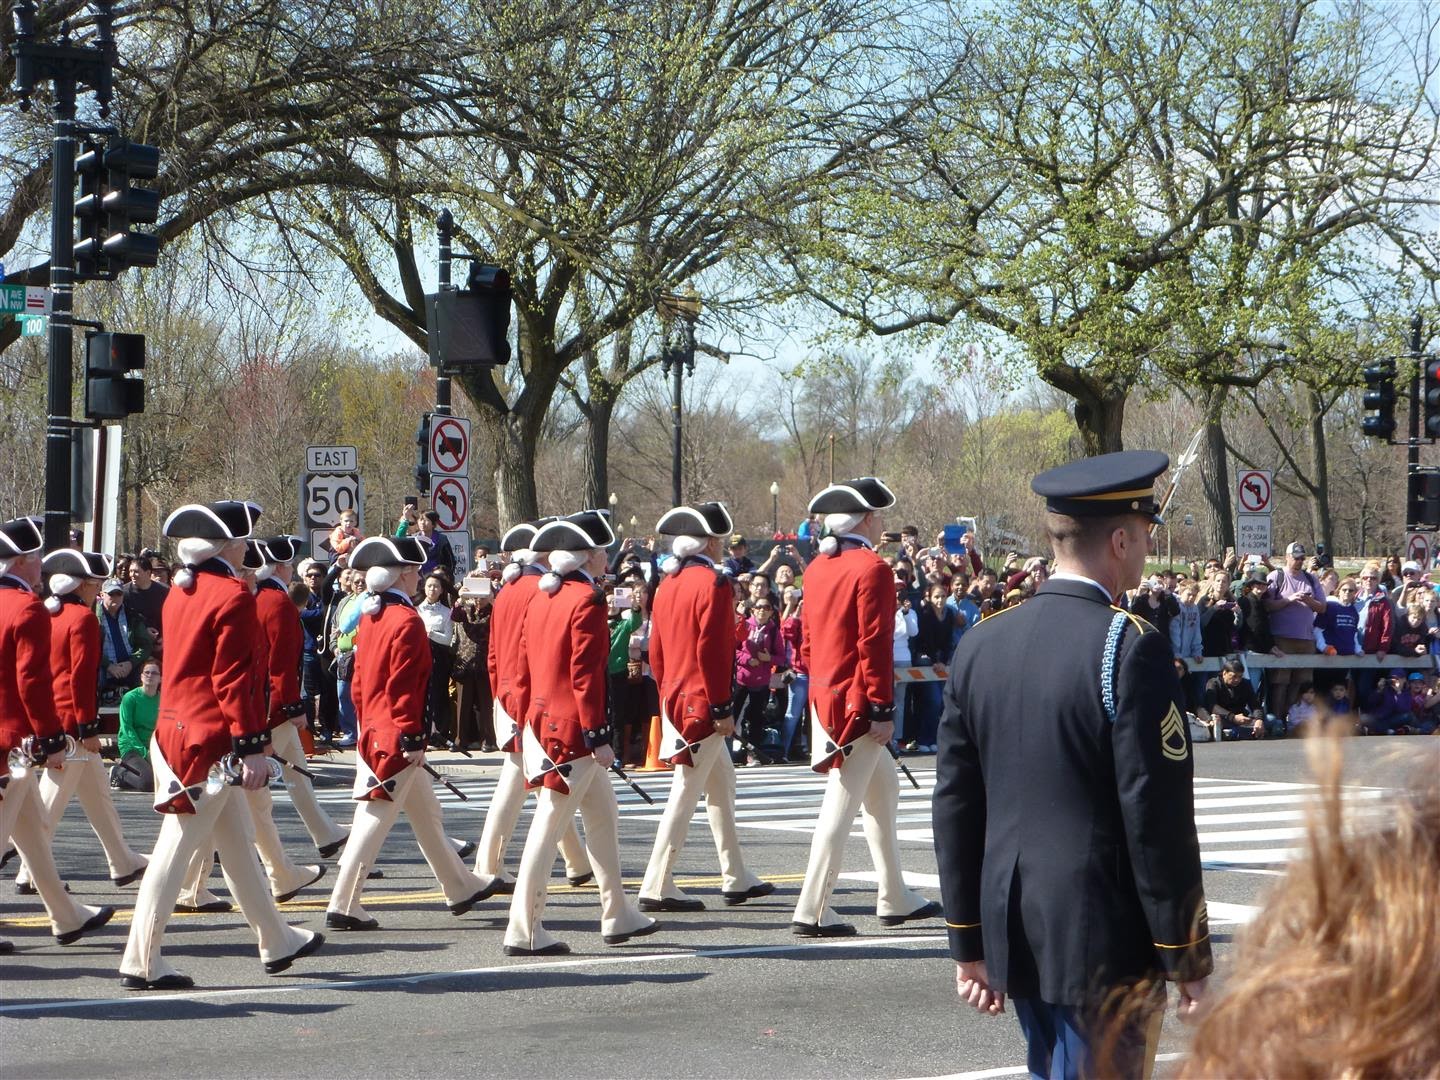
(1215, 471)
(1100, 416)
(1319, 472)
(514, 473)
(597, 428)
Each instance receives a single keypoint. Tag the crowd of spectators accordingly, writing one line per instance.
(1219, 611)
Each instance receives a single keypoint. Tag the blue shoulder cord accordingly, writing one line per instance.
(1107, 664)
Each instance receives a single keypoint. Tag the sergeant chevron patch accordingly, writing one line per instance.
(1172, 735)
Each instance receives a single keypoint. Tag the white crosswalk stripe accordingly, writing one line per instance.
(1241, 823)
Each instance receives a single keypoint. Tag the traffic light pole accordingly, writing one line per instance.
(62, 333)
(445, 223)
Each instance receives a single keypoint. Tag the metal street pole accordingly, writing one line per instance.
(445, 223)
(774, 508)
(686, 310)
(62, 333)
(67, 66)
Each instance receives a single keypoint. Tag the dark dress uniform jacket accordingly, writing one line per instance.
(1066, 844)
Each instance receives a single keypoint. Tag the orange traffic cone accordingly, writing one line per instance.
(652, 752)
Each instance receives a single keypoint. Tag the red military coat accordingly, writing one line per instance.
(285, 641)
(75, 666)
(392, 678)
(212, 703)
(505, 657)
(27, 704)
(849, 646)
(566, 648)
(692, 655)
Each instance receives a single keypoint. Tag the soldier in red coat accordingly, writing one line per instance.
(73, 580)
(287, 877)
(505, 659)
(392, 674)
(280, 622)
(566, 735)
(29, 725)
(212, 707)
(692, 656)
(848, 649)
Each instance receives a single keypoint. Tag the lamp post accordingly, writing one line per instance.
(634, 524)
(678, 315)
(774, 508)
(614, 500)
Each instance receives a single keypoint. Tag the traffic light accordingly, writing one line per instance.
(468, 327)
(1422, 506)
(1379, 400)
(89, 169)
(109, 358)
(1430, 397)
(126, 205)
(422, 455)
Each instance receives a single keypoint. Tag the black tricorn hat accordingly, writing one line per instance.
(858, 496)
(77, 564)
(518, 537)
(387, 551)
(585, 531)
(21, 536)
(701, 519)
(1105, 485)
(229, 519)
(254, 555)
(281, 549)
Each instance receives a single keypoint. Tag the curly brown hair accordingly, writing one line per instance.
(1339, 974)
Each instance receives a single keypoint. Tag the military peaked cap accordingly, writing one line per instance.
(1104, 486)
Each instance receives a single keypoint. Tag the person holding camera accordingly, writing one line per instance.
(474, 722)
(797, 678)
(691, 656)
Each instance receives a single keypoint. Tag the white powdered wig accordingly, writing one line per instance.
(64, 584)
(265, 572)
(562, 563)
(5, 564)
(380, 578)
(685, 546)
(838, 524)
(523, 556)
(511, 572)
(193, 551)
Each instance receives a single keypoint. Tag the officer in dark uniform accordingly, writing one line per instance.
(1064, 806)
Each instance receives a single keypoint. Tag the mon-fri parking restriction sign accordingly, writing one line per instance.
(449, 446)
(1252, 535)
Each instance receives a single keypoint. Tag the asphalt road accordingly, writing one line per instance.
(728, 992)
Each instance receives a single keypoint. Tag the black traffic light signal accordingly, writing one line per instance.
(422, 455)
(1422, 504)
(1430, 397)
(1379, 400)
(89, 169)
(126, 205)
(109, 358)
(468, 327)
